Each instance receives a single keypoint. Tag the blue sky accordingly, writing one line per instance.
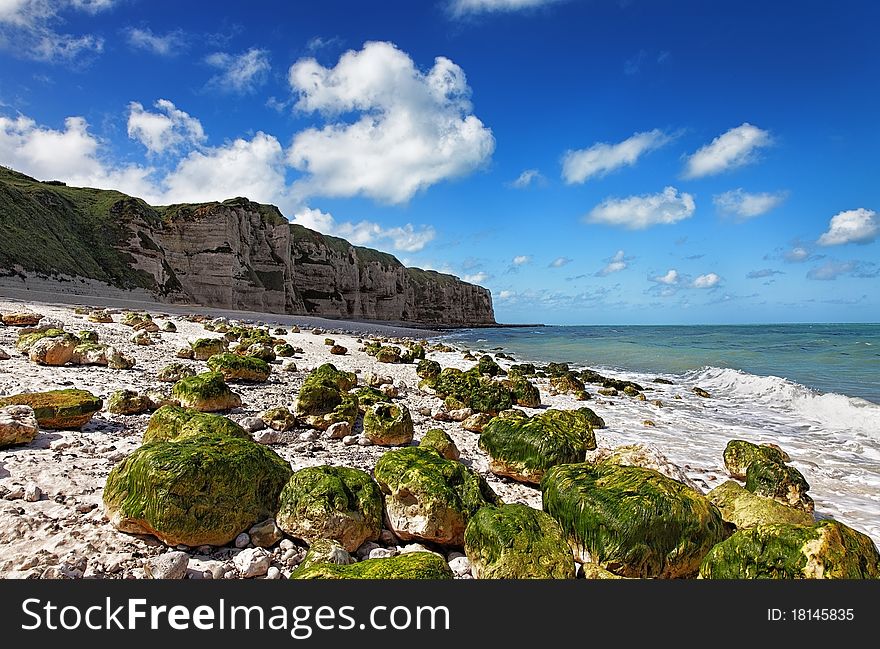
(589, 161)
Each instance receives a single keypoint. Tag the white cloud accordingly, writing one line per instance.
(520, 260)
(615, 264)
(732, 149)
(29, 28)
(165, 130)
(851, 226)
(526, 178)
(461, 7)
(168, 45)
(505, 295)
(242, 73)
(406, 238)
(670, 278)
(639, 212)
(415, 129)
(797, 254)
(831, 270)
(744, 205)
(476, 278)
(708, 280)
(602, 158)
(559, 262)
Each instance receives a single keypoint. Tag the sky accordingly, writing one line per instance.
(588, 161)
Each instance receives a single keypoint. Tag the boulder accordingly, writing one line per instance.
(516, 542)
(437, 439)
(326, 502)
(252, 562)
(524, 392)
(18, 425)
(479, 393)
(239, 368)
(100, 317)
(116, 360)
(631, 521)
(476, 423)
(195, 490)
(824, 550)
(143, 339)
(700, 392)
(263, 351)
(338, 350)
(781, 482)
(128, 402)
(204, 348)
(523, 449)
(284, 350)
(175, 372)
(388, 424)
(429, 498)
(368, 396)
(21, 319)
(324, 399)
(173, 422)
(280, 419)
(206, 392)
(28, 339)
(488, 367)
(55, 351)
(646, 457)
(567, 384)
(388, 354)
(427, 369)
(58, 409)
(413, 565)
(739, 454)
(744, 509)
(90, 353)
(169, 565)
(265, 534)
(4, 356)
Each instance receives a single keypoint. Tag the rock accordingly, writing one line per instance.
(350, 440)
(175, 372)
(283, 350)
(324, 551)
(242, 540)
(388, 424)
(364, 441)
(170, 565)
(18, 425)
(338, 430)
(337, 503)
(143, 338)
(235, 482)
(338, 350)
(476, 423)
(388, 354)
(390, 391)
(268, 436)
(460, 414)
(128, 402)
(239, 368)
(3, 355)
(21, 319)
(649, 423)
(662, 381)
(58, 409)
(744, 509)
(524, 392)
(169, 327)
(516, 542)
(415, 565)
(376, 380)
(204, 348)
(262, 351)
(32, 493)
(739, 454)
(630, 391)
(185, 352)
(427, 369)
(116, 360)
(253, 562)
(641, 455)
(429, 498)
(147, 325)
(479, 393)
(437, 439)
(206, 392)
(273, 573)
(488, 367)
(461, 566)
(523, 449)
(100, 317)
(265, 534)
(365, 548)
(173, 423)
(280, 419)
(700, 392)
(368, 396)
(592, 571)
(382, 553)
(607, 392)
(54, 351)
(252, 424)
(824, 550)
(782, 483)
(567, 384)
(631, 521)
(288, 366)
(324, 399)
(309, 436)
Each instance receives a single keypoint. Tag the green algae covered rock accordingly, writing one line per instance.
(196, 490)
(174, 372)
(327, 502)
(427, 369)
(388, 424)
(783, 483)
(524, 392)
(413, 565)
(739, 454)
(58, 409)
(240, 368)
(517, 542)
(488, 367)
(368, 396)
(206, 392)
(324, 400)
(824, 550)
(437, 439)
(429, 498)
(523, 449)
(128, 402)
(204, 348)
(171, 423)
(326, 551)
(567, 384)
(279, 418)
(744, 509)
(479, 393)
(26, 341)
(631, 521)
(284, 350)
(388, 354)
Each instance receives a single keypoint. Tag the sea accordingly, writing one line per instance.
(814, 389)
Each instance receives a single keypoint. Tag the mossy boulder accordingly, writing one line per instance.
(240, 368)
(621, 385)
(437, 439)
(170, 423)
(517, 542)
(88, 336)
(327, 502)
(26, 340)
(739, 454)
(567, 383)
(284, 350)
(128, 402)
(324, 400)
(479, 393)
(58, 409)
(556, 369)
(417, 351)
(524, 392)
(824, 550)
(781, 482)
(196, 490)
(523, 449)
(429, 498)
(488, 367)
(262, 351)
(280, 419)
(174, 372)
(89, 353)
(338, 350)
(388, 354)
(206, 392)
(427, 369)
(368, 396)
(631, 521)
(646, 457)
(744, 509)
(522, 369)
(388, 424)
(21, 319)
(204, 348)
(413, 565)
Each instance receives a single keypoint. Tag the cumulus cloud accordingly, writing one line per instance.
(462, 7)
(476, 278)
(743, 205)
(602, 158)
(640, 212)
(414, 129)
(363, 233)
(165, 130)
(521, 260)
(764, 272)
(526, 178)
(239, 73)
(615, 264)
(169, 44)
(851, 226)
(709, 280)
(732, 149)
(671, 278)
(559, 262)
(831, 270)
(31, 28)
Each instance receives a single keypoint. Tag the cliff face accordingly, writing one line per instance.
(236, 254)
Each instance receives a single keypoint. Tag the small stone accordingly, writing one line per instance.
(242, 540)
(252, 424)
(32, 493)
(15, 494)
(424, 411)
(339, 430)
(286, 544)
(382, 553)
(460, 414)
(253, 562)
(657, 403)
(265, 534)
(18, 425)
(171, 565)
(649, 422)
(350, 440)
(288, 366)
(3, 355)
(460, 566)
(85, 508)
(267, 436)
(309, 436)
(387, 537)
(363, 440)
(273, 573)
